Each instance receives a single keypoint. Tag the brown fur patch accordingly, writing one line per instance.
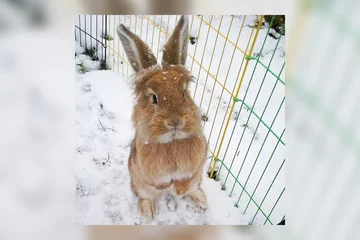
(150, 119)
(182, 187)
(141, 57)
(175, 50)
(186, 155)
(199, 198)
(152, 164)
(162, 186)
(147, 208)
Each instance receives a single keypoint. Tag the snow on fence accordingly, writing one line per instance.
(238, 63)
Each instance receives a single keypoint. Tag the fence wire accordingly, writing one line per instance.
(239, 65)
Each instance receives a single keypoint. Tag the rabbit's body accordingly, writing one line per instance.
(160, 165)
(169, 149)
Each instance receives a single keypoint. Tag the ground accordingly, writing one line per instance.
(104, 132)
(103, 110)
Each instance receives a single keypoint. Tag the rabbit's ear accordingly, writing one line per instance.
(175, 50)
(137, 52)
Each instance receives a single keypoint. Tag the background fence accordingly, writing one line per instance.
(239, 63)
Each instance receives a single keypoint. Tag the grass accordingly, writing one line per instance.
(103, 65)
(192, 40)
(215, 175)
(278, 23)
(106, 37)
(91, 52)
(204, 117)
(82, 68)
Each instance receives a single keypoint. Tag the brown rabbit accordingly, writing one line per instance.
(169, 149)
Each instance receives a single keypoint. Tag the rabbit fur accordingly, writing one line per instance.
(169, 149)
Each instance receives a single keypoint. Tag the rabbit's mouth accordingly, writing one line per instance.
(172, 135)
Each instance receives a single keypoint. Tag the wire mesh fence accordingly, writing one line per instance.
(239, 66)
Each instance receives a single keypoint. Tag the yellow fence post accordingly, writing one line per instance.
(236, 95)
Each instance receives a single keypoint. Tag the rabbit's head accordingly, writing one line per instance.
(165, 110)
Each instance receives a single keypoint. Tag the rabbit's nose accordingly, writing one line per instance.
(175, 121)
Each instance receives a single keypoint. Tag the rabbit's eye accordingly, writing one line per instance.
(154, 99)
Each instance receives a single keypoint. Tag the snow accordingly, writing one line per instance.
(103, 188)
(104, 129)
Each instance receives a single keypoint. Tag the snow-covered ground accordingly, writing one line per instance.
(104, 130)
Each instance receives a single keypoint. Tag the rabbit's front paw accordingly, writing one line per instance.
(199, 198)
(147, 209)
